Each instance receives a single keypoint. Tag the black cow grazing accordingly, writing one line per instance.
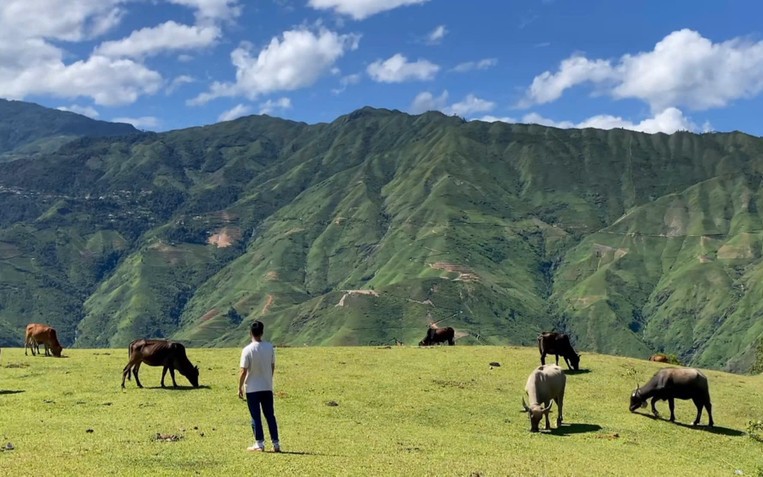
(439, 335)
(165, 353)
(557, 344)
(675, 383)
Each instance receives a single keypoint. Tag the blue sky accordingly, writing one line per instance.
(168, 64)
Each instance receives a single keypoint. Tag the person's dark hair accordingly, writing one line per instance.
(257, 328)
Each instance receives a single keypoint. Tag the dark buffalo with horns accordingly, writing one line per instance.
(439, 335)
(669, 384)
(169, 354)
(558, 344)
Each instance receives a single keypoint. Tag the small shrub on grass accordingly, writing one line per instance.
(755, 430)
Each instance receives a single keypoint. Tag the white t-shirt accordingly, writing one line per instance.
(258, 358)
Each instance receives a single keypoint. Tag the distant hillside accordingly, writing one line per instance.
(366, 229)
(27, 128)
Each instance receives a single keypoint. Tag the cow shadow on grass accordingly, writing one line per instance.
(574, 372)
(574, 428)
(724, 431)
(9, 391)
(178, 388)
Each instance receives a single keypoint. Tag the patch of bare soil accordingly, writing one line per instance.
(465, 274)
(209, 315)
(225, 237)
(356, 292)
(268, 303)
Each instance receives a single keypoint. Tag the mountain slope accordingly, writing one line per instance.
(27, 128)
(366, 229)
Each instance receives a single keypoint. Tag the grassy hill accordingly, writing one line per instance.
(29, 129)
(398, 411)
(363, 230)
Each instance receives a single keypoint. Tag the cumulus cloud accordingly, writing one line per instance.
(235, 112)
(165, 37)
(426, 101)
(178, 82)
(143, 122)
(667, 121)
(397, 69)
(88, 111)
(471, 104)
(272, 105)
(436, 35)
(683, 70)
(73, 20)
(294, 61)
(212, 11)
(360, 9)
(482, 64)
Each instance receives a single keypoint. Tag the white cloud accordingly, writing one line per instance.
(294, 61)
(360, 9)
(212, 11)
(470, 105)
(683, 70)
(165, 37)
(178, 82)
(73, 20)
(270, 106)
(88, 111)
(668, 121)
(482, 64)
(143, 122)
(548, 86)
(397, 69)
(436, 35)
(235, 112)
(497, 119)
(426, 101)
(346, 81)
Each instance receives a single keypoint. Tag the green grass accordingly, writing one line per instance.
(401, 411)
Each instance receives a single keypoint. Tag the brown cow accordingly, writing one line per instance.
(36, 334)
(169, 354)
(557, 344)
(659, 358)
(439, 335)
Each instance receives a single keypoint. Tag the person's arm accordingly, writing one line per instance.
(241, 378)
(273, 363)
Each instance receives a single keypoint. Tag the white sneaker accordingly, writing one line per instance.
(256, 448)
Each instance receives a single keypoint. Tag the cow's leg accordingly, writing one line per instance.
(451, 342)
(164, 372)
(672, 406)
(709, 408)
(548, 424)
(126, 372)
(47, 349)
(172, 373)
(543, 359)
(557, 359)
(560, 416)
(654, 409)
(135, 370)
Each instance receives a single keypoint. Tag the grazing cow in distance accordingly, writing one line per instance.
(659, 358)
(36, 334)
(558, 344)
(675, 383)
(169, 354)
(545, 383)
(439, 335)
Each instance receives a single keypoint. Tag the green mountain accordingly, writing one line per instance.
(27, 128)
(364, 230)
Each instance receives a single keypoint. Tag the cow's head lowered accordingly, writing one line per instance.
(637, 400)
(193, 376)
(536, 412)
(575, 361)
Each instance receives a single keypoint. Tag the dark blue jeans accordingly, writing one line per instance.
(264, 400)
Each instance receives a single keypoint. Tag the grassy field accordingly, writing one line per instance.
(400, 411)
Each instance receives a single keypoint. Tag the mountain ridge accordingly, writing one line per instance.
(365, 229)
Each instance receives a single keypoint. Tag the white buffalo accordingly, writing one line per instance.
(545, 383)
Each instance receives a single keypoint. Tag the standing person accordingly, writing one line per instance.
(258, 363)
